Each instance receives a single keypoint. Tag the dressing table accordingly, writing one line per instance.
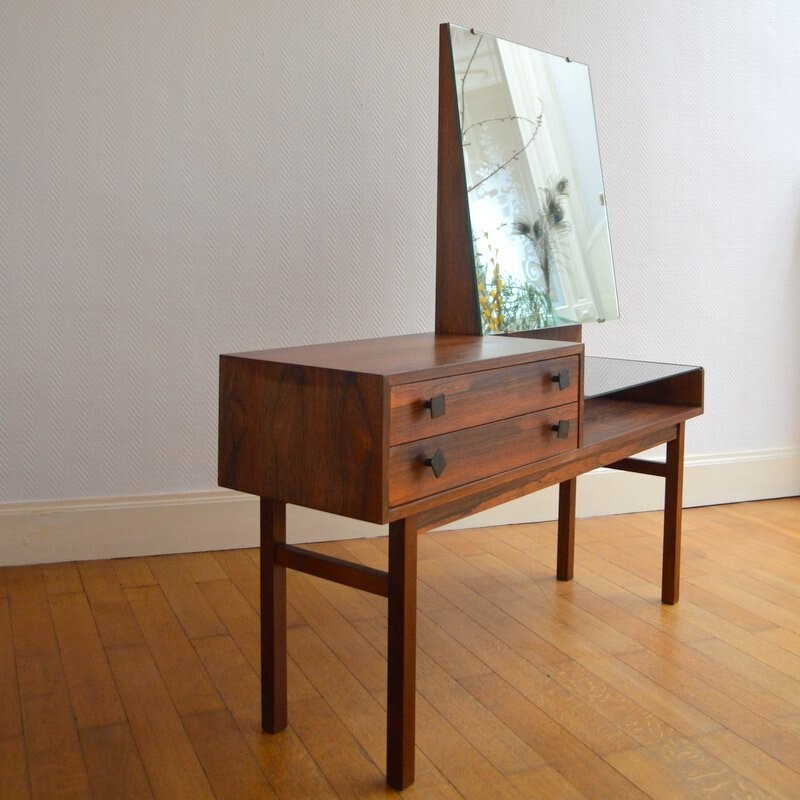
(417, 431)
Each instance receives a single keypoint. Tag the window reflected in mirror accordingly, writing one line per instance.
(534, 186)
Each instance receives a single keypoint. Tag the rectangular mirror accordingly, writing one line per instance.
(534, 186)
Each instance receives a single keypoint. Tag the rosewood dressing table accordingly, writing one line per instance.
(420, 430)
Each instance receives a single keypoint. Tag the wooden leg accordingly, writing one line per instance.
(402, 653)
(673, 508)
(566, 529)
(273, 618)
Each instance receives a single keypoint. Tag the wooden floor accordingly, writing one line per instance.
(138, 678)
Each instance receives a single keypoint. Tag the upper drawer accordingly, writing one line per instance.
(476, 398)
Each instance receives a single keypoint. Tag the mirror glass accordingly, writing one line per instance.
(534, 186)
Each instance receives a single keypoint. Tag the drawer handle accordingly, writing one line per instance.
(436, 405)
(562, 429)
(437, 462)
(562, 379)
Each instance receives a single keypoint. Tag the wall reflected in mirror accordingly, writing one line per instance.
(534, 186)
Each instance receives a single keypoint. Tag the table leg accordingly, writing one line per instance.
(566, 529)
(402, 653)
(673, 509)
(273, 618)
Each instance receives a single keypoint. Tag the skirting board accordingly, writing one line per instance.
(34, 533)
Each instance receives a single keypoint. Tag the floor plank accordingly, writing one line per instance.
(55, 761)
(284, 759)
(682, 769)
(357, 708)
(14, 783)
(62, 578)
(229, 764)
(29, 608)
(112, 760)
(10, 714)
(737, 716)
(578, 763)
(133, 572)
(350, 771)
(770, 774)
(112, 613)
(169, 759)
(546, 783)
(355, 652)
(188, 683)
(185, 598)
(95, 701)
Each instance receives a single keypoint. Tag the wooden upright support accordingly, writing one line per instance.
(402, 650)
(565, 557)
(273, 618)
(673, 510)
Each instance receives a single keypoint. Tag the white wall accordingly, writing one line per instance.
(181, 179)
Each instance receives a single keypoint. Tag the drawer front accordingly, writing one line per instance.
(479, 452)
(480, 397)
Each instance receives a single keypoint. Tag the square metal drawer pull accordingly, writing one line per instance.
(562, 429)
(562, 379)
(437, 462)
(436, 405)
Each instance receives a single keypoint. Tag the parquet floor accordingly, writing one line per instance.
(138, 678)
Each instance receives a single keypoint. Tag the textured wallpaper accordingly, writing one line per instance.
(182, 179)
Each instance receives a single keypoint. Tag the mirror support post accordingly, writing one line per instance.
(456, 283)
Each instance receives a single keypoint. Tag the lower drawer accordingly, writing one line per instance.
(475, 453)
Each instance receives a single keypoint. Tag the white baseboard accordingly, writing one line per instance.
(69, 530)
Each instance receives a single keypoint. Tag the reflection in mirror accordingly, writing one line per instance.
(534, 186)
